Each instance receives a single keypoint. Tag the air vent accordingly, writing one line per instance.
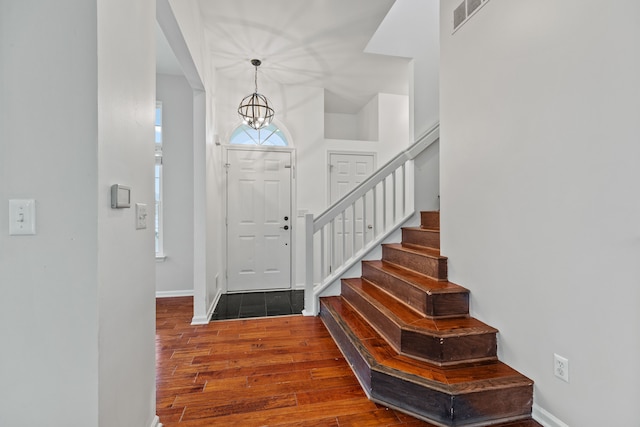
(465, 11)
(459, 15)
(473, 5)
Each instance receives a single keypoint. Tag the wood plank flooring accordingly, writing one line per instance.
(276, 371)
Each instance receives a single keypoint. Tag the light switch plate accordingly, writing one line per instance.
(141, 216)
(22, 217)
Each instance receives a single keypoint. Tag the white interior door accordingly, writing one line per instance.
(258, 220)
(346, 171)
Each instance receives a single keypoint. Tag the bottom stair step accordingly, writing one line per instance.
(469, 395)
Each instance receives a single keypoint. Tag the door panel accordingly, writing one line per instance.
(346, 172)
(258, 200)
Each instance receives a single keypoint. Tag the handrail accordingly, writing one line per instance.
(330, 229)
(410, 153)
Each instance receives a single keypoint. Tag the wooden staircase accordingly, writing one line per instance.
(407, 333)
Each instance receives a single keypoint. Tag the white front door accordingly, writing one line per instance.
(347, 170)
(258, 220)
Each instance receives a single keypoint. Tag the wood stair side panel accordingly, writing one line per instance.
(379, 385)
(350, 341)
(490, 408)
(468, 395)
(438, 341)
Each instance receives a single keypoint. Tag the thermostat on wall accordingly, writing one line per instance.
(120, 196)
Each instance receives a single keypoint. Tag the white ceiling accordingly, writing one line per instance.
(302, 42)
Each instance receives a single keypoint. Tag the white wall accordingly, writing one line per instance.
(192, 56)
(126, 256)
(175, 273)
(383, 126)
(394, 133)
(370, 120)
(301, 110)
(341, 126)
(77, 310)
(48, 149)
(363, 125)
(427, 179)
(410, 30)
(539, 164)
(181, 24)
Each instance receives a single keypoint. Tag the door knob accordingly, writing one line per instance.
(286, 227)
(286, 218)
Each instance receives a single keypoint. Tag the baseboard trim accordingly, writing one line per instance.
(206, 319)
(173, 294)
(156, 422)
(546, 418)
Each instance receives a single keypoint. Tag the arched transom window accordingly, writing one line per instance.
(268, 136)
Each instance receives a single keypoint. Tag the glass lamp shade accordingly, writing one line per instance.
(254, 110)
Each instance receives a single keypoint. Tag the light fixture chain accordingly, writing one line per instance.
(256, 79)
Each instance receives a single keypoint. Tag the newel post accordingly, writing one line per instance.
(310, 301)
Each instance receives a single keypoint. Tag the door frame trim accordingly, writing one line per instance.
(224, 223)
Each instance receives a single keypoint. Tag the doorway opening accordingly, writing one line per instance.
(259, 219)
(346, 171)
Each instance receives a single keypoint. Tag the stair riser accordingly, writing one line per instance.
(504, 403)
(428, 238)
(358, 364)
(430, 220)
(434, 305)
(386, 327)
(416, 399)
(448, 305)
(437, 350)
(486, 407)
(432, 267)
(450, 350)
(406, 293)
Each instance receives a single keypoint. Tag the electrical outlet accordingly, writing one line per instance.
(561, 367)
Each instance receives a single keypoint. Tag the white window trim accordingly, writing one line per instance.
(160, 255)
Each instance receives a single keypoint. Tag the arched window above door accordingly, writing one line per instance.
(267, 136)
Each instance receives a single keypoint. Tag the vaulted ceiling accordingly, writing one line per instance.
(321, 43)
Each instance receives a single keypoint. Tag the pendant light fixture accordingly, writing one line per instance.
(254, 110)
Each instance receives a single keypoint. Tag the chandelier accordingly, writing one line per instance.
(254, 110)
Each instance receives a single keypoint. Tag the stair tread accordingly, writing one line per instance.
(455, 379)
(420, 250)
(407, 318)
(422, 229)
(418, 280)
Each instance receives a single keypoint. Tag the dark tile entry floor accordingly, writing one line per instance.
(259, 304)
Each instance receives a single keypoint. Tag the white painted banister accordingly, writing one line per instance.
(361, 220)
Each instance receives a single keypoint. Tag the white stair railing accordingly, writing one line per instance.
(360, 221)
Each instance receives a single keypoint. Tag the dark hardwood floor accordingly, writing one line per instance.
(276, 371)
